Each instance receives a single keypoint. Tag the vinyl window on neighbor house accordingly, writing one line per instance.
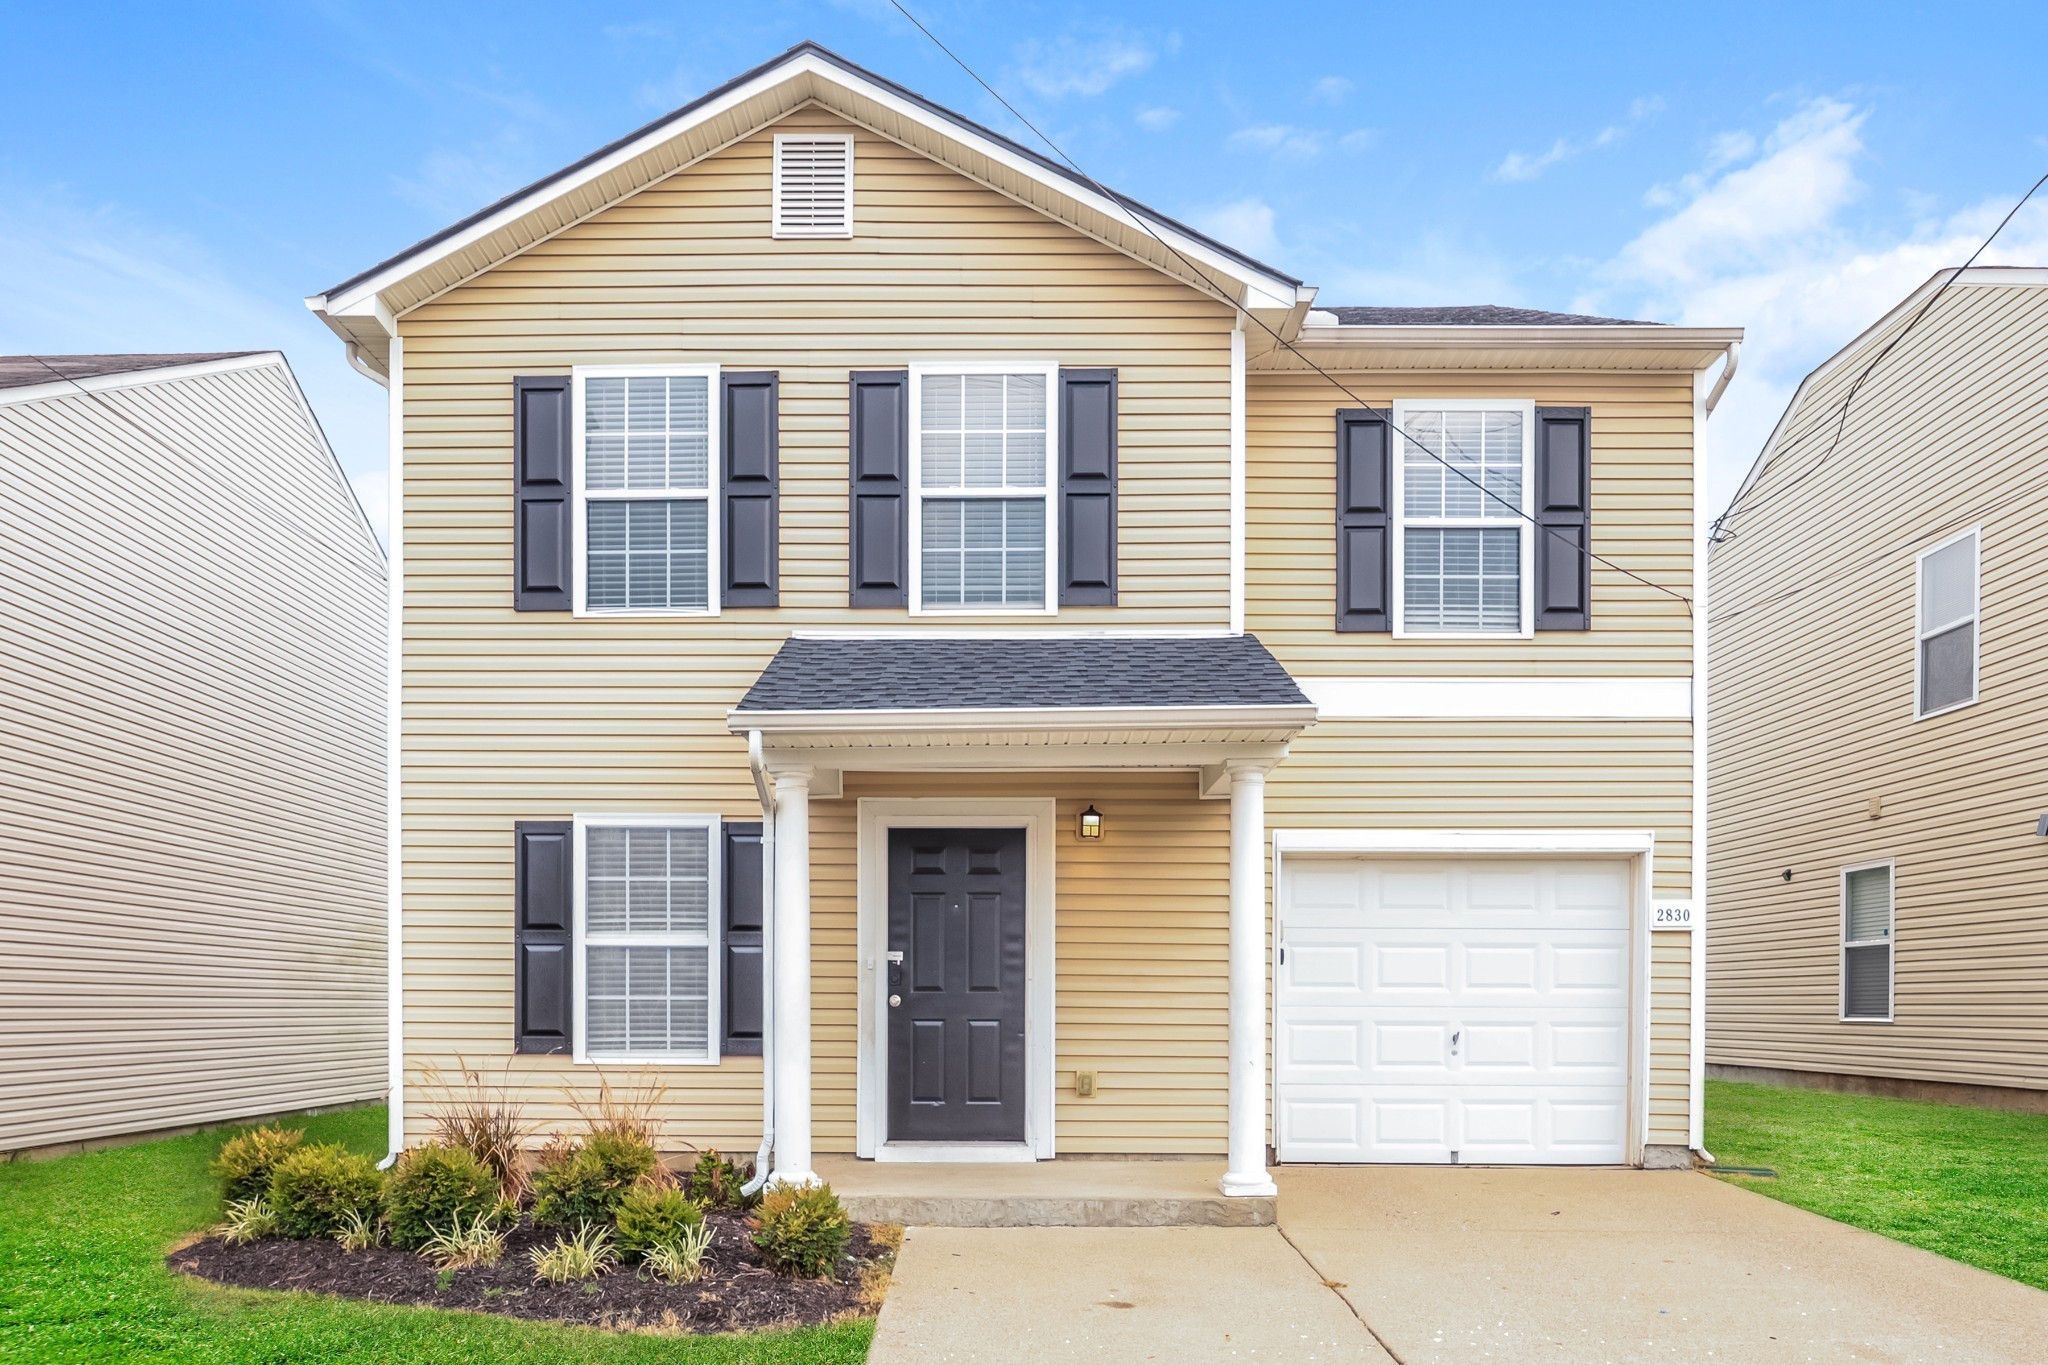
(1867, 943)
(646, 440)
(647, 897)
(1947, 664)
(1462, 552)
(983, 528)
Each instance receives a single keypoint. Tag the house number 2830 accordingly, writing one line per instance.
(1677, 915)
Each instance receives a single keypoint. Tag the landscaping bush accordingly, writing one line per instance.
(245, 1162)
(587, 1183)
(653, 1215)
(583, 1255)
(803, 1229)
(716, 1183)
(431, 1187)
(682, 1261)
(480, 1117)
(314, 1189)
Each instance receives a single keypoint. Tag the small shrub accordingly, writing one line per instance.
(583, 1255)
(358, 1231)
(432, 1187)
(716, 1183)
(316, 1187)
(681, 1261)
(653, 1215)
(459, 1247)
(802, 1229)
(246, 1161)
(479, 1117)
(247, 1220)
(592, 1180)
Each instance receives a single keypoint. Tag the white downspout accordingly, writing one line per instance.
(765, 790)
(1696, 1089)
(1238, 478)
(394, 789)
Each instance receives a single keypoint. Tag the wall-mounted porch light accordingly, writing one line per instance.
(1091, 823)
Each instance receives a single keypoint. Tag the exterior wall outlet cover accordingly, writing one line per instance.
(1084, 1084)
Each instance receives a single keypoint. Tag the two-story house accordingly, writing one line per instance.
(949, 663)
(1879, 814)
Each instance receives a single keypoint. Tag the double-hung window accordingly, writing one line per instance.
(984, 529)
(1462, 548)
(646, 484)
(1867, 943)
(1947, 666)
(647, 896)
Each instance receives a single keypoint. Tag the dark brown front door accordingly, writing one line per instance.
(956, 1000)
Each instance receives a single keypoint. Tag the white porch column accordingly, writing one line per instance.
(1246, 1173)
(791, 1033)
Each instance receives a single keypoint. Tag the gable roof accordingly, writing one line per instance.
(18, 371)
(1472, 315)
(363, 308)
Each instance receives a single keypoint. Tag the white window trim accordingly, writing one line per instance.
(775, 227)
(714, 548)
(714, 938)
(1842, 939)
(1523, 525)
(1922, 629)
(1049, 493)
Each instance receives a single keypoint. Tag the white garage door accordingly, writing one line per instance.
(1468, 1011)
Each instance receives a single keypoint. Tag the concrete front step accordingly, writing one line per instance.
(1069, 1193)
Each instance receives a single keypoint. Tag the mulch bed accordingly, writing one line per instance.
(737, 1292)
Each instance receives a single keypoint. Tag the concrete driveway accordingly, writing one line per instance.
(1428, 1266)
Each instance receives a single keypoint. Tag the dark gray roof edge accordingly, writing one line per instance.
(1469, 315)
(37, 369)
(825, 54)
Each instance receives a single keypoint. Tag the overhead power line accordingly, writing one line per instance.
(1140, 221)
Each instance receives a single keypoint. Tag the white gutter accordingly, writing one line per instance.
(765, 790)
(1025, 718)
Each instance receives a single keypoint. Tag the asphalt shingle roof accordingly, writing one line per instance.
(20, 371)
(1475, 315)
(828, 674)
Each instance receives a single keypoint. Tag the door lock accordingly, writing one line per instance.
(1455, 1035)
(894, 1001)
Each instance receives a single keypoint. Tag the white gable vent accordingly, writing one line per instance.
(813, 186)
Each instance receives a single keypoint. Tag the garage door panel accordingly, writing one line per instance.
(1526, 961)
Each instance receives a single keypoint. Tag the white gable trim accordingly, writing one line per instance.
(1261, 288)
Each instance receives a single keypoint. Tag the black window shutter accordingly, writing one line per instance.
(748, 426)
(543, 925)
(1364, 540)
(879, 453)
(744, 966)
(543, 543)
(1087, 488)
(1564, 518)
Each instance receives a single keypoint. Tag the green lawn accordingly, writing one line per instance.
(1970, 1184)
(82, 1279)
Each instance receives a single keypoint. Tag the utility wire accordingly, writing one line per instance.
(1140, 220)
(1744, 503)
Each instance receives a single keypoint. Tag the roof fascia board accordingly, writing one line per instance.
(1019, 718)
(352, 296)
(129, 379)
(1496, 337)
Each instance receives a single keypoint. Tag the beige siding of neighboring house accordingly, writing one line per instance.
(1497, 774)
(191, 763)
(521, 716)
(1819, 762)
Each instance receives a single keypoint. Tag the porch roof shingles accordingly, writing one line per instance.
(940, 674)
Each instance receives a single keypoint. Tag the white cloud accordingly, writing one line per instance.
(1521, 166)
(1279, 139)
(84, 278)
(1246, 224)
(1359, 140)
(1761, 238)
(1158, 120)
(1331, 90)
(1071, 65)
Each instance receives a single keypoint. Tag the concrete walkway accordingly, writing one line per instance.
(1428, 1266)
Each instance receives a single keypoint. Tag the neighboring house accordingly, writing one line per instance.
(817, 469)
(191, 752)
(1880, 646)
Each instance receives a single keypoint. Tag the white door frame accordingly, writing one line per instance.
(1037, 817)
(1639, 846)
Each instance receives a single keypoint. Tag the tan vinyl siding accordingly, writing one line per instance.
(191, 763)
(1813, 714)
(518, 716)
(1560, 775)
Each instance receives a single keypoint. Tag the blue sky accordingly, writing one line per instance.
(179, 177)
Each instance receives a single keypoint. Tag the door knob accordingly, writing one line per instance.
(894, 1001)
